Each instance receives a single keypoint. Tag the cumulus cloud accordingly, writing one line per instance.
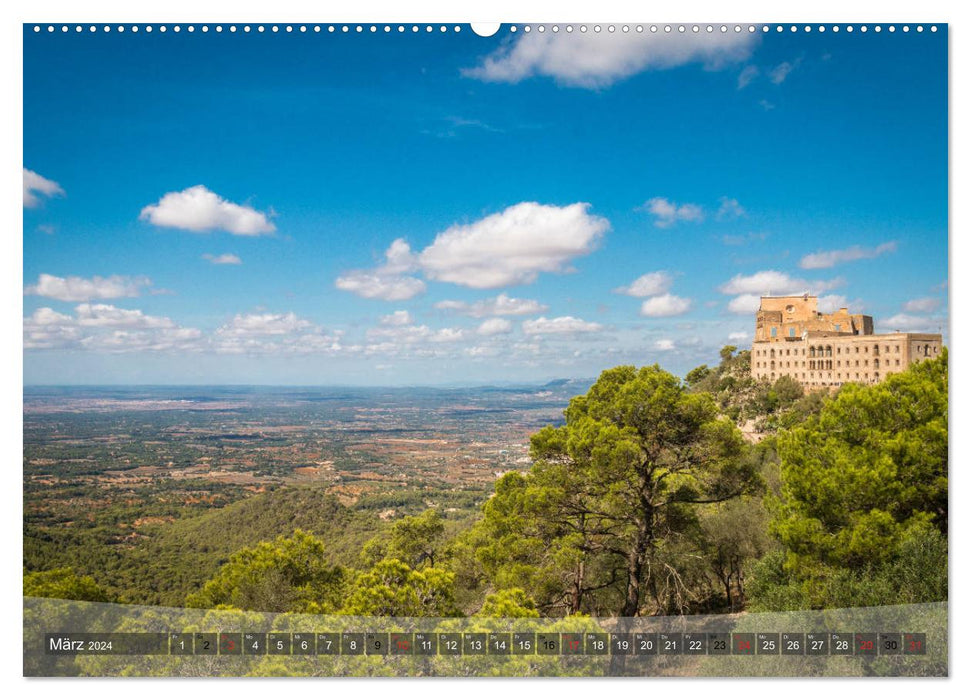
(562, 325)
(106, 328)
(921, 306)
(739, 336)
(665, 305)
(273, 333)
(775, 282)
(664, 345)
(908, 323)
(82, 289)
(494, 326)
(198, 209)
(502, 305)
(158, 340)
(829, 258)
(597, 59)
(729, 208)
(667, 213)
(224, 259)
(256, 324)
(37, 186)
(396, 318)
(745, 304)
(832, 302)
(47, 329)
(389, 339)
(513, 246)
(648, 285)
(389, 281)
(376, 286)
(107, 315)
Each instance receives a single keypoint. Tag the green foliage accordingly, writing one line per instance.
(734, 534)
(697, 375)
(288, 574)
(177, 558)
(864, 489)
(393, 589)
(599, 523)
(512, 602)
(64, 584)
(742, 398)
(415, 540)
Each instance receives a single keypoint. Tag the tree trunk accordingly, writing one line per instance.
(576, 597)
(635, 567)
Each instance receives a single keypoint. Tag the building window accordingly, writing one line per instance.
(773, 331)
(837, 328)
(792, 332)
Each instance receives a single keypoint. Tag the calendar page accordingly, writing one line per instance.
(527, 349)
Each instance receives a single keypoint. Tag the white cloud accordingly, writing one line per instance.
(273, 334)
(447, 335)
(375, 286)
(648, 285)
(106, 315)
(729, 208)
(513, 246)
(478, 351)
(197, 209)
(924, 305)
(596, 60)
(907, 323)
(739, 336)
(224, 259)
(390, 339)
(155, 340)
(748, 74)
(81, 289)
(745, 304)
(832, 302)
(495, 326)
(387, 282)
(778, 74)
(666, 213)
(664, 344)
(36, 186)
(397, 318)
(264, 324)
(829, 258)
(559, 326)
(775, 282)
(501, 305)
(665, 305)
(106, 328)
(46, 328)
(510, 247)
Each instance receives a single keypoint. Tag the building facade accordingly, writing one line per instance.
(825, 351)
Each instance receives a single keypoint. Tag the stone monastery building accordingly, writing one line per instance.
(828, 350)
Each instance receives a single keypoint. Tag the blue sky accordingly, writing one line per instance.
(445, 208)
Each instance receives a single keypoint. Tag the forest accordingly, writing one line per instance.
(655, 495)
